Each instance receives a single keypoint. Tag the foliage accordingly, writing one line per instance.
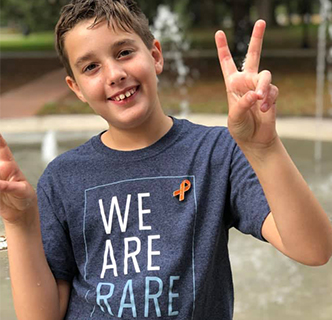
(39, 15)
(36, 15)
(200, 38)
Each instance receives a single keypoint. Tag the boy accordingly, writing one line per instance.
(135, 221)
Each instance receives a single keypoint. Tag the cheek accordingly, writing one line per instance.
(148, 74)
(146, 68)
(92, 89)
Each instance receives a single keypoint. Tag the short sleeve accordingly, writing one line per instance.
(55, 236)
(249, 207)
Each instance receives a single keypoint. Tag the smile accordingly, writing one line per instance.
(124, 95)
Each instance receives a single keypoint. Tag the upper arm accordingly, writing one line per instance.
(271, 233)
(64, 288)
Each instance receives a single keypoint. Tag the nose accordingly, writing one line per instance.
(115, 73)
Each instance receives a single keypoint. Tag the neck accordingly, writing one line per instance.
(139, 137)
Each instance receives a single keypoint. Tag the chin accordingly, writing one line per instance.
(129, 120)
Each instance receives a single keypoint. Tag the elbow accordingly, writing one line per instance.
(319, 260)
(327, 256)
(312, 261)
(315, 257)
(322, 253)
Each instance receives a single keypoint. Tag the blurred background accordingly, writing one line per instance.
(297, 50)
(290, 50)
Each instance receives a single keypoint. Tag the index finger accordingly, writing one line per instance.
(227, 64)
(5, 153)
(255, 47)
(8, 166)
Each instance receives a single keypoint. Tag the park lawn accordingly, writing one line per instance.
(297, 96)
(289, 37)
(42, 41)
(199, 38)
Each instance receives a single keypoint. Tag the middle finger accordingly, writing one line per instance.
(255, 47)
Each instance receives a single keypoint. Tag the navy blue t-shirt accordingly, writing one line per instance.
(143, 234)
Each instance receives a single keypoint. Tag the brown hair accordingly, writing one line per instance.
(122, 14)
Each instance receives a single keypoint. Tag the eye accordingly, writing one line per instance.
(90, 67)
(125, 53)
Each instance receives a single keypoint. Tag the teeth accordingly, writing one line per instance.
(125, 95)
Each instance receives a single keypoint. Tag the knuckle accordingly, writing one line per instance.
(275, 90)
(267, 74)
(3, 168)
(248, 77)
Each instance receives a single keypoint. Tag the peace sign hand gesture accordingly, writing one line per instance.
(17, 196)
(251, 96)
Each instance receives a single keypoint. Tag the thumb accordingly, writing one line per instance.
(16, 195)
(242, 106)
(19, 189)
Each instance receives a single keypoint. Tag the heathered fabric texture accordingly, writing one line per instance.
(113, 226)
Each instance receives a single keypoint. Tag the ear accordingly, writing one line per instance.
(157, 55)
(74, 87)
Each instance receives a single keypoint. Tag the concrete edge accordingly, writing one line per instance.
(72, 127)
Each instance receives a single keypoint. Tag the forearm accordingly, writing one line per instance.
(299, 226)
(34, 288)
(304, 228)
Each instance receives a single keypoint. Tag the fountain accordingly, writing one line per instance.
(167, 29)
(49, 147)
(329, 60)
(325, 25)
(272, 286)
(3, 243)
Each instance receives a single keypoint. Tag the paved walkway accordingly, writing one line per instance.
(27, 100)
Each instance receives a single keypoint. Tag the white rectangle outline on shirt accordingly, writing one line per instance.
(141, 179)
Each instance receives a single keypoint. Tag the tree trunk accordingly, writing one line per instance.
(305, 10)
(266, 10)
(207, 13)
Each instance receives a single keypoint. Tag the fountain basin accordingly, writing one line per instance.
(267, 284)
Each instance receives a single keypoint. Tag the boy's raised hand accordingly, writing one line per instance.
(17, 196)
(251, 96)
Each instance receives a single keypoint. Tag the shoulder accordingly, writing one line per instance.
(205, 143)
(205, 135)
(65, 164)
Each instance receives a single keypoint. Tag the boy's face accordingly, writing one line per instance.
(115, 73)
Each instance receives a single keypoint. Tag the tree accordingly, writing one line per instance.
(33, 15)
(266, 10)
(305, 8)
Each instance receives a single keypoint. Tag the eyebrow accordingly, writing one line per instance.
(90, 55)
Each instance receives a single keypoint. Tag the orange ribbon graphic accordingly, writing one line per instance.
(184, 187)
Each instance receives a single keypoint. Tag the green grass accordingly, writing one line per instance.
(43, 41)
(199, 38)
(65, 107)
(275, 37)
